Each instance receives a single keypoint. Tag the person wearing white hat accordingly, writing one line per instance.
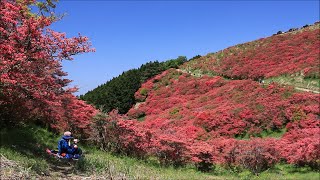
(64, 146)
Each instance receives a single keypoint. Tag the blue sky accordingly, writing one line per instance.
(127, 34)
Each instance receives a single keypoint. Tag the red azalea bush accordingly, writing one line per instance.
(171, 151)
(32, 83)
(136, 113)
(203, 156)
(255, 155)
(117, 134)
(301, 147)
(76, 116)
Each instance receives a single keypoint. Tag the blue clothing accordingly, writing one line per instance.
(76, 150)
(63, 146)
(70, 151)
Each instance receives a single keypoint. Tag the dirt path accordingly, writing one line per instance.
(297, 88)
(306, 90)
(67, 171)
(64, 171)
(12, 170)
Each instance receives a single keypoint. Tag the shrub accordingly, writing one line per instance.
(205, 164)
(202, 156)
(136, 113)
(144, 92)
(301, 147)
(255, 155)
(258, 155)
(120, 136)
(171, 152)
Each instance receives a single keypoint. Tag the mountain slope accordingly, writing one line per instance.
(293, 56)
(217, 110)
(216, 107)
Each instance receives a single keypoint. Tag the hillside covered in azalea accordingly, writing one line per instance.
(291, 53)
(218, 110)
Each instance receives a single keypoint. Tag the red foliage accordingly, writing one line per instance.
(203, 155)
(170, 150)
(117, 134)
(256, 155)
(301, 146)
(31, 78)
(284, 54)
(201, 116)
(223, 108)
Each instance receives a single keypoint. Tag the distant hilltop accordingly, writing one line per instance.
(296, 29)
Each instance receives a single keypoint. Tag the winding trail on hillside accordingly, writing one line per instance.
(297, 88)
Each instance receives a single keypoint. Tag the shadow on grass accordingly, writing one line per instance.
(27, 144)
(291, 169)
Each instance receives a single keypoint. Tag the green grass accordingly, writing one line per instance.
(273, 134)
(265, 134)
(141, 118)
(98, 162)
(297, 81)
(26, 146)
(288, 172)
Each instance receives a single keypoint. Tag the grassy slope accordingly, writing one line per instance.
(297, 81)
(25, 146)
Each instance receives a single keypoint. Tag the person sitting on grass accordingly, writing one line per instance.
(64, 147)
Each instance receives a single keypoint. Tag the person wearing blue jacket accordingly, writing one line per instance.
(64, 147)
